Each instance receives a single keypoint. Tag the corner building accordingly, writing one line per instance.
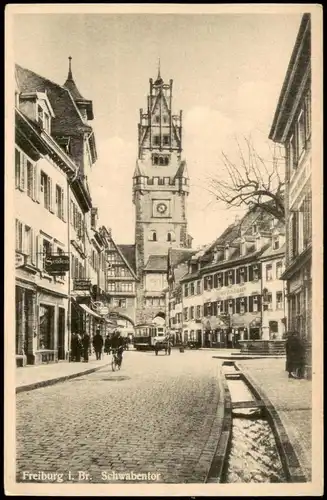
(160, 190)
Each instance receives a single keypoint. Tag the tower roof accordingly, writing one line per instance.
(75, 93)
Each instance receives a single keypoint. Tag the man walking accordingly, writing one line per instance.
(98, 344)
(86, 345)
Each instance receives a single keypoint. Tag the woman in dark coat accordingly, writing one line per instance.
(98, 344)
(107, 344)
(294, 355)
(86, 345)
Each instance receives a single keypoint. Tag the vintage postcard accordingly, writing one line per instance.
(163, 242)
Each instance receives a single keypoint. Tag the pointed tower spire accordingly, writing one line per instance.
(70, 75)
(159, 80)
(84, 105)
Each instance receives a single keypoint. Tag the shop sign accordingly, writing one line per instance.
(19, 259)
(57, 264)
(82, 284)
(231, 291)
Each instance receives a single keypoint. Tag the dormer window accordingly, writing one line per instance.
(275, 242)
(43, 119)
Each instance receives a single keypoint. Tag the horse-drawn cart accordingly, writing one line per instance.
(162, 344)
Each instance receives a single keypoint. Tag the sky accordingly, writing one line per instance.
(228, 70)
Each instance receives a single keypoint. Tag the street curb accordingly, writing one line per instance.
(245, 357)
(216, 470)
(53, 381)
(290, 461)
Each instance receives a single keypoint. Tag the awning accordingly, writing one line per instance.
(89, 311)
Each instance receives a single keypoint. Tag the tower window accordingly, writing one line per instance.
(156, 140)
(157, 119)
(160, 159)
(165, 118)
(169, 237)
(153, 236)
(166, 140)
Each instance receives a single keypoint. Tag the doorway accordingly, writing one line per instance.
(61, 333)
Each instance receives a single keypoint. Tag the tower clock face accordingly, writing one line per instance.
(161, 208)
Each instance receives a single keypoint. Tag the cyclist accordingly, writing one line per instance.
(117, 343)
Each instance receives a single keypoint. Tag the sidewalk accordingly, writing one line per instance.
(31, 377)
(292, 401)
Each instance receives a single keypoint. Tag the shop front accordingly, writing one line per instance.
(25, 314)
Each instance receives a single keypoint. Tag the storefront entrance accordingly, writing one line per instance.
(46, 336)
(61, 333)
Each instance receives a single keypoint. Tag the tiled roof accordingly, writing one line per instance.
(128, 252)
(157, 263)
(68, 120)
(178, 255)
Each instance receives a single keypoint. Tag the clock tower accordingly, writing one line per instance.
(160, 190)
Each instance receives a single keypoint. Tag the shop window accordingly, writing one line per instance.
(46, 327)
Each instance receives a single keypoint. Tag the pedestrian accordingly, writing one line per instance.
(79, 347)
(86, 345)
(107, 344)
(98, 344)
(294, 355)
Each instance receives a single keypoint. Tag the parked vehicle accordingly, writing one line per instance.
(147, 335)
(193, 344)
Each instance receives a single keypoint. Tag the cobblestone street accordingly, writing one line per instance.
(154, 416)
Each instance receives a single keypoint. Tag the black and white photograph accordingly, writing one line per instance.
(163, 243)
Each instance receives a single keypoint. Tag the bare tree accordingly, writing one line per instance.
(252, 182)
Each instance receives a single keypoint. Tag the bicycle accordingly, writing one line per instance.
(116, 360)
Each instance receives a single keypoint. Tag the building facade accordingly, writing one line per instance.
(222, 293)
(292, 128)
(58, 259)
(160, 190)
(121, 282)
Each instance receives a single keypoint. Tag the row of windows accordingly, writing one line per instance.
(153, 236)
(239, 305)
(114, 258)
(38, 185)
(76, 220)
(122, 303)
(120, 287)
(155, 302)
(301, 134)
(160, 181)
(165, 118)
(164, 140)
(118, 272)
(301, 227)
(160, 159)
(270, 271)
(226, 278)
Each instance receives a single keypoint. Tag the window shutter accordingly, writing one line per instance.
(23, 171)
(33, 247)
(37, 184)
(39, 250)
(259, 271)
(215, 281)
(233, 276)
(50, 187)
(251, 303)
(226, 278)
(64, 207)
(226, 305)
(245, 274)
(17, 168)
(237, 276)
(238, 305)
(250, 273)
(245, 304)
(259, 302)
